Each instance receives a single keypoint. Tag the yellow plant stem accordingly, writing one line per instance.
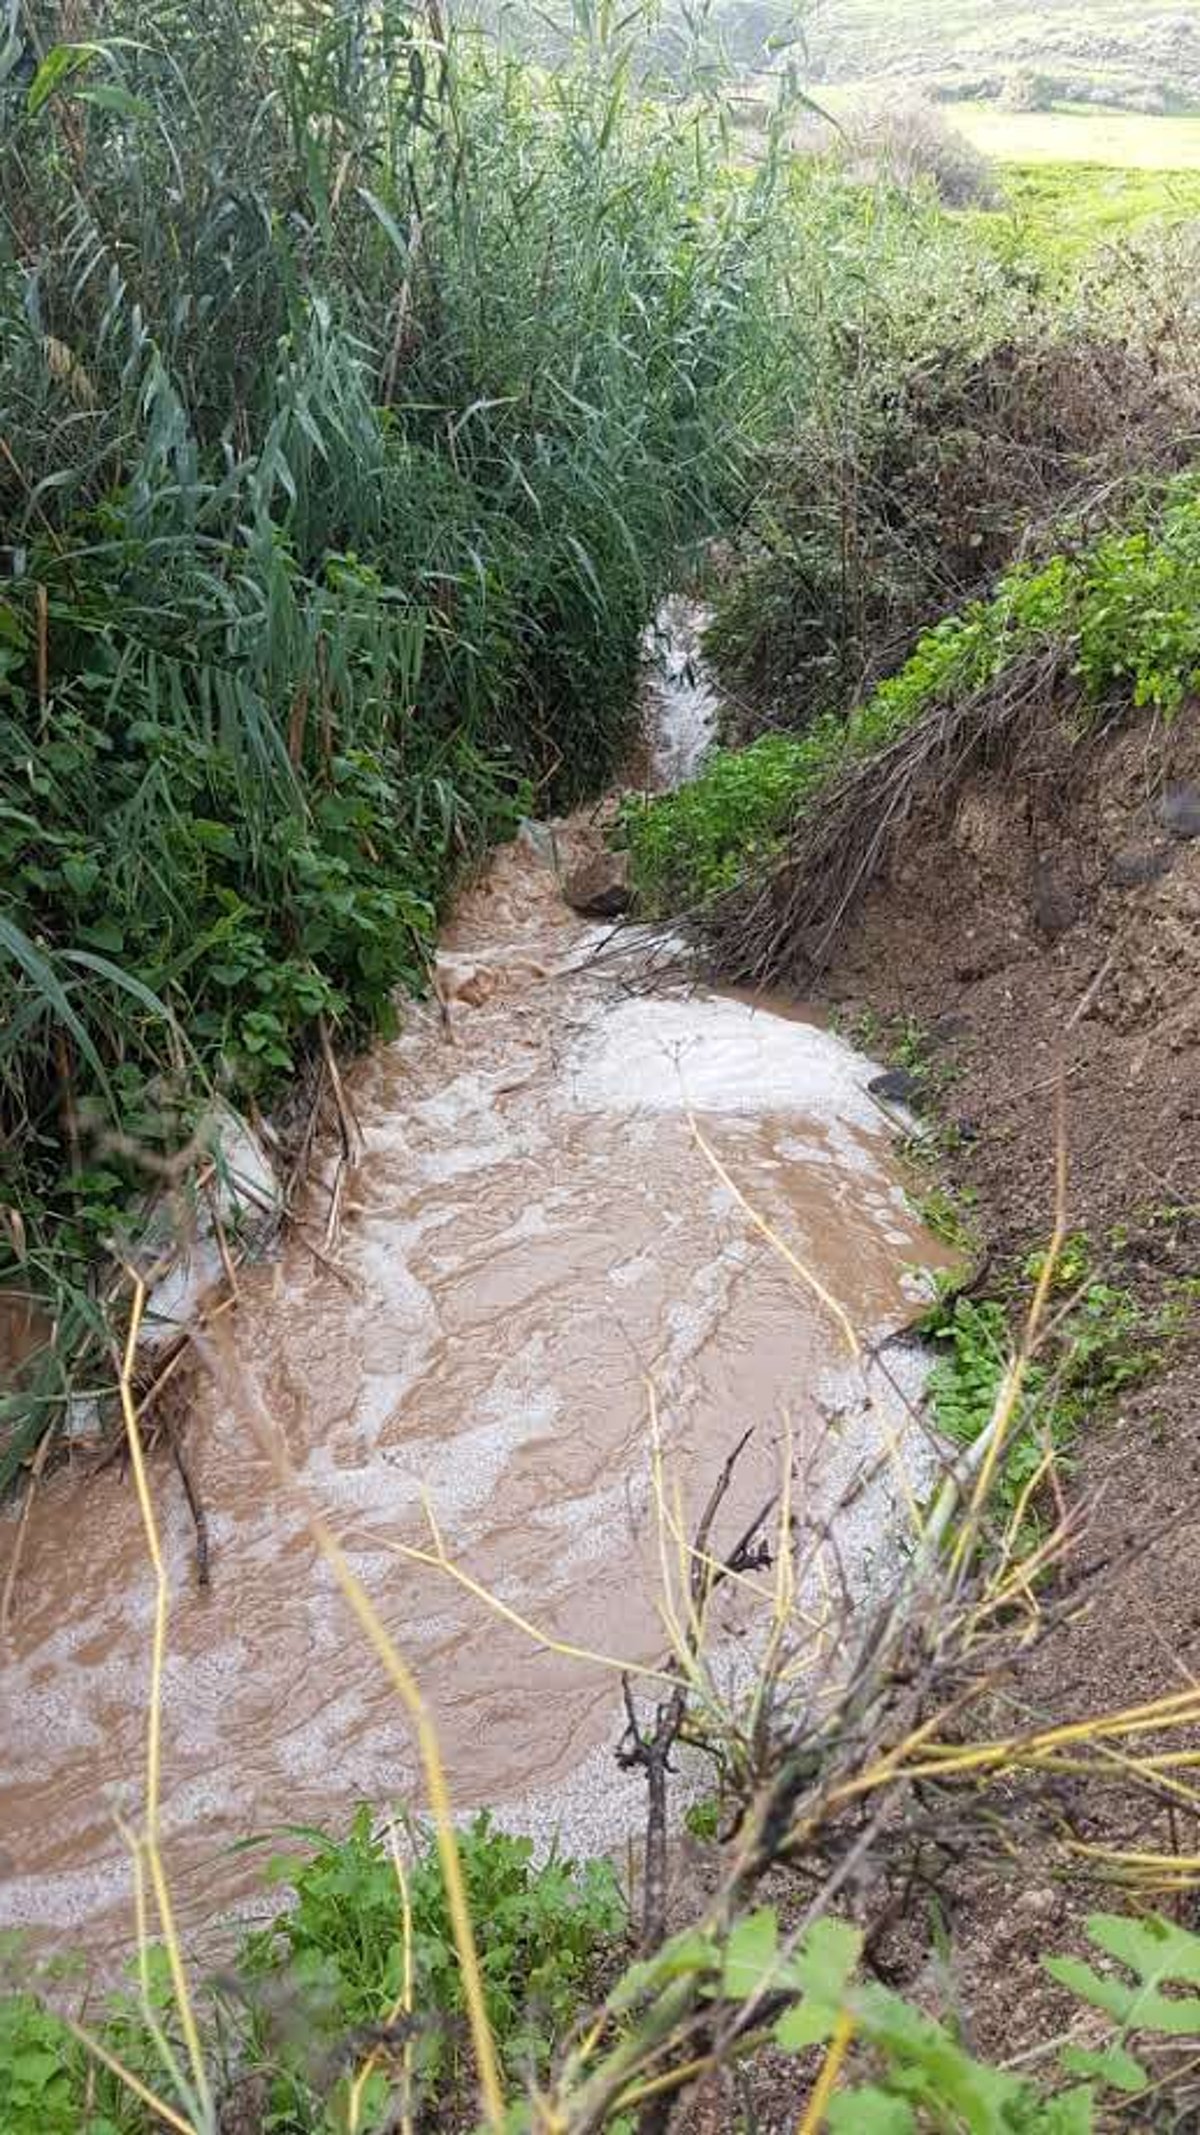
(165, 2112)
(402, 2006)
(814, 2114)
(150, 1840)
(405, 1685)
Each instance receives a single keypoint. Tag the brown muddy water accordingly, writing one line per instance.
(532, 1239)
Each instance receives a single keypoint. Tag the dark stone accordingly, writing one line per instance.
(897, 1087)
(1055, 906)
(1138, 864)
(1179, 809)
(601, 889)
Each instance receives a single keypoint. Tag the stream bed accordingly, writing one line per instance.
(533, 1239)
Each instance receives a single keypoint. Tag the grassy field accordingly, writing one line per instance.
(1076, 179)
(1067, 209)
(1071, 178)
(1118, 140)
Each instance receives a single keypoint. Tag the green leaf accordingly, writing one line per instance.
(110, 96)
(125, 980)
(1113, 2066)
(60, 63)
(868, 2111)
(41, 973)
(689, 1952)
(1155, 1949)
(35, 2067)
(1071, 2113)
(82, 874)
(386, 220)
(982, 2096)
(1136, 2008)
(104, 934)
(826, 1961)
(809, 2023)
(750, 1955)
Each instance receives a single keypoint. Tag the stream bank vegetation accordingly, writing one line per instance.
(771, 845)
(364, 389)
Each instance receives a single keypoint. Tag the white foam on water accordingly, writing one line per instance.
(712, 1054)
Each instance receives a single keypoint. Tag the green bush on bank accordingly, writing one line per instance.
(304, 1997)
(1124, 614)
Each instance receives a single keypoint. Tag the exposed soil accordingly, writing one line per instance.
(1048, 896)
(1045, 914)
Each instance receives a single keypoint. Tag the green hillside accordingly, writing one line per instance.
(1112, 51)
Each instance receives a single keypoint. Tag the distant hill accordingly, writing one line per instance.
(1112, 52)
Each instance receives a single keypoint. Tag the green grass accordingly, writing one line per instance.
(1061, 212)
(1114, 140)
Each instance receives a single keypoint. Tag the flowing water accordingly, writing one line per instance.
(533, 1239)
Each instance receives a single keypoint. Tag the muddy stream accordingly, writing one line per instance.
(533, 1236)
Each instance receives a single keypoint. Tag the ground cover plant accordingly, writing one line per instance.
(1058, 214)
(888, 2065)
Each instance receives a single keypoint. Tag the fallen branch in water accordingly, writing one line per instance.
(199, 1516)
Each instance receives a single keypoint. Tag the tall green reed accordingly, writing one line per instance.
(364, 387)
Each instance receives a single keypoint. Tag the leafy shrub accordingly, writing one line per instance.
(899, 2069)
(315, 1987)
(905, 2071)
(362, 393)
(1027, 90)
(1104, 1341)
(41, 2073)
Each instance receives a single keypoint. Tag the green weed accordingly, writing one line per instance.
(947, 1211)
(1057, 214)
(1104, 1341)
(305, 1996)
(541, 1930)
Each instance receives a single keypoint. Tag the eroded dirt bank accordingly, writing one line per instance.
(532, 1238)
(1050, 912)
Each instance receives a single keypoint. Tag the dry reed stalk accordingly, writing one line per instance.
(14, 1569)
